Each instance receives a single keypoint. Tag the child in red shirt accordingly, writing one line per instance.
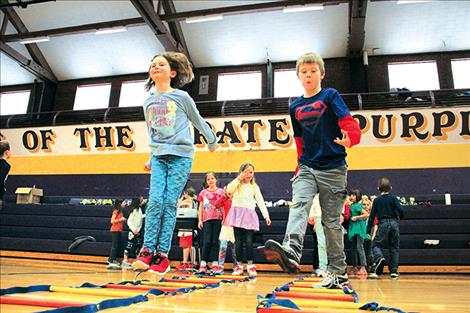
(117, 224)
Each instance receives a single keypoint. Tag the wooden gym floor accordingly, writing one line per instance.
(412, 292)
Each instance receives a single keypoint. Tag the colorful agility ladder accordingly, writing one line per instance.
(75, 307)
(301, 296)
(124, 293)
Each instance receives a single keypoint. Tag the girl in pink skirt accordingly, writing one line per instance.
(242, 216)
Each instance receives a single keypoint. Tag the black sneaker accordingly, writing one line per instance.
(275, 253)
(333, 281)
(394, 275)
(378, 267)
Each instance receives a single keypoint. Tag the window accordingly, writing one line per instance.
(460, 72)
(15, 102)
(133, 93)
(414, 76)
(92, 97)
(237, 86)
(287, 84)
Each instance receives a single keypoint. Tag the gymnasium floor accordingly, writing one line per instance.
(411, 293)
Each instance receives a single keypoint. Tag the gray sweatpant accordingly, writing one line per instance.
(331, 185)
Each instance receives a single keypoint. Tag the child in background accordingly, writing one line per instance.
(314, 219)
(134, 237)
(242, 216)
(5, 154)
(367, 206)
(389, 212)
(117, 224)
(357, 233)
(210, 221)
(169, 113)
(226, 235)
(186, 235)
(323, 129)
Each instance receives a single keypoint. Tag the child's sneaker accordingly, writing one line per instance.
(238, 270)
(202, 269)
(126, 266)
(333, 281)
(361, 273)
(218, 269)
(319, 273)
(275, 253)
(182, 268)
(394, 275)
(142, 263)
(378, 267)
(160, 265)
(113, 265)
(252, 271)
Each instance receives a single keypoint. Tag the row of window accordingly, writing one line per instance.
(247, 85)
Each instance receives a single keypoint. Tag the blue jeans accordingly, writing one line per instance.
(331, 185)
(388, 231)
(168, 178)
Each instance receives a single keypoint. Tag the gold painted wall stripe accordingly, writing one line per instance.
(283, 160)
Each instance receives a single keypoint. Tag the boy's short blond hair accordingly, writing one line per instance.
(310, 58)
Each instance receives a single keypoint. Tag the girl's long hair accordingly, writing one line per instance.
(135, 203)
(179, 63)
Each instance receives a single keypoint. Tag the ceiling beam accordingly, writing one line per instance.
(33, 48)
(247, 8)
(23, 4)
(29, 65)
(175, 26)
(357, 23)
(3, 28)
(73, 30)
(167, 17)
(146, 10)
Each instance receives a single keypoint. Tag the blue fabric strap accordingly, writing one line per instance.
(103, 305)
(374, 306)
(270, 299)
(9, 291)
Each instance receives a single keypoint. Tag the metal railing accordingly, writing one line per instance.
(262, 106)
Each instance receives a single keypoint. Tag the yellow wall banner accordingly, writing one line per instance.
(421, 138)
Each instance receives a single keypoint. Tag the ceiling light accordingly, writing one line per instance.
(111, 30)
(411, 1)
(34, 40)
(302, 8)
(205, 18)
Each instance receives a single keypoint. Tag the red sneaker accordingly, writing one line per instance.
(160, 265)
(181, 268)
(142, 263)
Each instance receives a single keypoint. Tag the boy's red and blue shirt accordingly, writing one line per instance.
(317, 121)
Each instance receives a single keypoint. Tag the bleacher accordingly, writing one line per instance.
(51, 227)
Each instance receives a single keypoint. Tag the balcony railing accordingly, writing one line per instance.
(263, 106)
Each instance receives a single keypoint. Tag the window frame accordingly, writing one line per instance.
(411, 86)
(108, 84)
(257, 72)
(23, 91)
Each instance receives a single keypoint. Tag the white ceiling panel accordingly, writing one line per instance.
(11, 73)
(90, 55)
(246, 38)
(417, 27)
(64, 13)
